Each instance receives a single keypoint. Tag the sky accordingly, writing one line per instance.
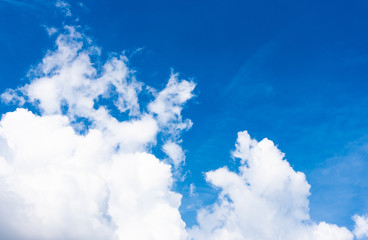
(192, 119)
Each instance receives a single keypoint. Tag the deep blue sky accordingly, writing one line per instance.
(292, 71)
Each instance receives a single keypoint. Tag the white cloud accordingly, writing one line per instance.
(51, 30)
(67, 77)
(64, 178)
(175, 152)
(361, 226)
(267, 199)
(192, 190)
(169, 103)
(61, 185)
(104, 184)
(167, 107)
(11, 96)
(65, 7)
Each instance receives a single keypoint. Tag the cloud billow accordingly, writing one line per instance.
(63, 178)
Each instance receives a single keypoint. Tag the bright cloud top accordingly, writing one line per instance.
(76, 171)
(266, 200)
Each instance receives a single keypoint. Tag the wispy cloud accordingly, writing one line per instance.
(65, 7)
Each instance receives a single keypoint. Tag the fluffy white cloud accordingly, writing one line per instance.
(265, 200)
(169, 103)
(67, 77)
(175, 152)
(74, 171)
(167, 108)
(361, 226)
(61, 185)
(57, 183)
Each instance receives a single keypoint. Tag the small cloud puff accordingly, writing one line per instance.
(361, 226)
(65, 7)
(175, 153)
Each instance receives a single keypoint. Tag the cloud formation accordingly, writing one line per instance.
(65, 7)
(73, 169)
(265, 200)
(361, 226)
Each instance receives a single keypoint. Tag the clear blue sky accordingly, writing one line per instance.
(292, 71)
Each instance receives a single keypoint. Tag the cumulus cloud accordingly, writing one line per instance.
(265, 199)
(167, 108)
(361, 226)
(73, 170)
(58, 182)
(175, 152)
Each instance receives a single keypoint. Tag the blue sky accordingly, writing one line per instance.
(294, 72)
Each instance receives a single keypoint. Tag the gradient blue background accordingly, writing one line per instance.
(292, 71)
